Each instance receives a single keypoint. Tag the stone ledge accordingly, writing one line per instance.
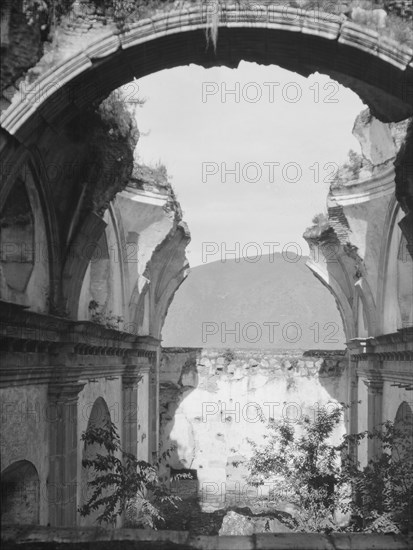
(26, 536)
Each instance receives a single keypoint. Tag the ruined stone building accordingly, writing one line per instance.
(93, 246)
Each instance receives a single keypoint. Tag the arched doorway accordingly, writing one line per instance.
(404, 423)
(20, 494)
(99, 417)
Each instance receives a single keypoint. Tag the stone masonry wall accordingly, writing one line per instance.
(213, 401)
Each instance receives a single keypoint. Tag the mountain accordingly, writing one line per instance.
(271, 303)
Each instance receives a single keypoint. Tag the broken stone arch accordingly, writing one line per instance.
(376, 68)
(342, 302)
(35, 126)
(349, 53)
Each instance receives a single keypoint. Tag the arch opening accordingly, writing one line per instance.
(20, 494)
(98, 418)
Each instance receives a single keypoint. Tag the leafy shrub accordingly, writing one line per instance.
(122, 483)
(320, 479)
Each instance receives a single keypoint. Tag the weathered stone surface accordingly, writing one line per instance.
(375, 138)
(238, 524)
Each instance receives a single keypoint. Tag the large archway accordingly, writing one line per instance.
(303, 41)
(44, 114)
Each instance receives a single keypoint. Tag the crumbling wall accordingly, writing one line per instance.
(213, 401)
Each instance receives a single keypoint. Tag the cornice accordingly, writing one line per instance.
(355, 192)
(38, 347)
(22, 327)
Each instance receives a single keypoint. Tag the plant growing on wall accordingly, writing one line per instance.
(121, 483)
(320, 479)
(98, 315)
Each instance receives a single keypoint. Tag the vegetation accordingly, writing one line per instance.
(351, 169)
(118, 111)
(321, 225)
(123, 484)
(397, 24)
(228, 356)
(99, 315)
(322, 480)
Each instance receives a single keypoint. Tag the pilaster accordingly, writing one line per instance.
(62, 482)
(130, 380)
(143, 410)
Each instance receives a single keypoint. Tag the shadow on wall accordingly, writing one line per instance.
(178, 379)
(333, 373)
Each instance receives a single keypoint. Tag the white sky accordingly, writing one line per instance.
(188, 128)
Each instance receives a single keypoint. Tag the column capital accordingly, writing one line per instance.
(65, 391)
(374, 385)
(144, 368)
(130, 376)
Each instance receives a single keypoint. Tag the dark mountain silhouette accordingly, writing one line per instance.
(250, 298)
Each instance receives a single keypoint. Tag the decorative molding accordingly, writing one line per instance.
(37, 346)
(374, 384)
(65, 391)
(356, 192)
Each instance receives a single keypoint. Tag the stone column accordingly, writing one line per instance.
(154, 409)
(130, 409)
(353, 402)
(62, 482)
(144, 398)
(369, 388)
(362, 421)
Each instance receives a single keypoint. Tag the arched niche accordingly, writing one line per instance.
(17, 238)
(20, 494)
(404, 423)
(397, 293)
(24, 249)
(101, 298)
(362, 322)
(405, 284)
(98, 418)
